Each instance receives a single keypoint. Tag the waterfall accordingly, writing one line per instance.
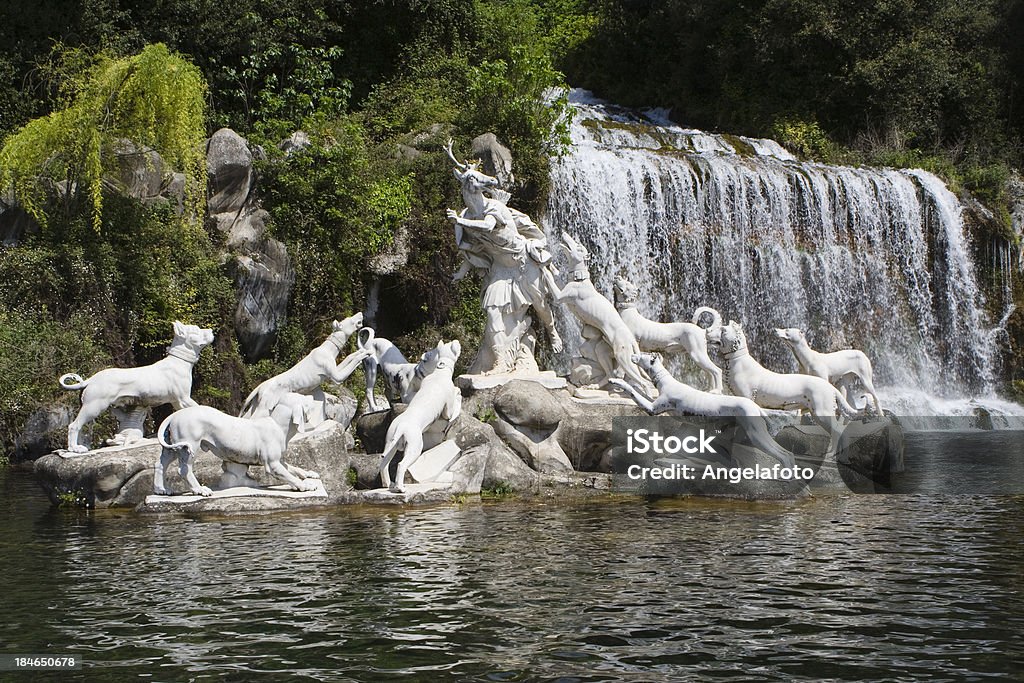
(869, 258)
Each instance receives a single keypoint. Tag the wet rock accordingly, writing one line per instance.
(869, 453)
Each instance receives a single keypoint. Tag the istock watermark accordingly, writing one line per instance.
(786, 455)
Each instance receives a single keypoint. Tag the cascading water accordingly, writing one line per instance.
(876, 259)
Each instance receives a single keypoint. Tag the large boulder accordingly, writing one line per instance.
(45, 429)
(229, 169)
(264, 280)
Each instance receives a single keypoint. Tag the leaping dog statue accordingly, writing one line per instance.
(681, 399)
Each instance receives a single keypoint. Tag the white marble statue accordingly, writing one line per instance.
(511, 251)
(838, 367)
(235, 440)
(129, 392)
(609, 341)
(677, 337)
(319, 365)
(746, 377)
(435, 406)
(401, 378)
(681, 399)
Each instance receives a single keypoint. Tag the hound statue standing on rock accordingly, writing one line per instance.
(239, 442)
(746, 377)
(130, 391)
(609, 341)
(438, 400)
(680, 399)
(319, 365)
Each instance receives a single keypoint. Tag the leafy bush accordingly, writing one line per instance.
(155, 99)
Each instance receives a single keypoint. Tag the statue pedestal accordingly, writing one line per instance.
(279, 491)
(547, 379)
(600, 397)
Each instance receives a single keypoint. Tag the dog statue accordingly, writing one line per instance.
(401, 378)
(235, 440)
(678, 337)
(127, 391)
(613, 342)
(836, 367)
(681, 399)
(305, 377)
(437, 400)
(746, 377)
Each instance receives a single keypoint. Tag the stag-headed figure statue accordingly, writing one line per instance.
(511, 251)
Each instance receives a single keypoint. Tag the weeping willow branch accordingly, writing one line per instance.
(155, 99)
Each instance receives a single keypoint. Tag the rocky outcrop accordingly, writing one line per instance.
(263, 271)
(123, 476)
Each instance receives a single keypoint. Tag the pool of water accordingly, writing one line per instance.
(871, 587)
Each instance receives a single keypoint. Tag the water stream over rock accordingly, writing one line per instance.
(868, 258)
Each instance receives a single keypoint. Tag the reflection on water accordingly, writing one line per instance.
(844, 588)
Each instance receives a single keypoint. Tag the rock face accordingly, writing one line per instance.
(263, 271)
(496, 157)
(45, 429)
(498, 465)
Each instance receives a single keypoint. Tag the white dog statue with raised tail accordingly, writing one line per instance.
(837, 367)
(678, 337)
(401, 378)
(681, 399)
(438, 400)
(130, 391)
(305, 377)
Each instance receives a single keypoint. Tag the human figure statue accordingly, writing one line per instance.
(511, 250)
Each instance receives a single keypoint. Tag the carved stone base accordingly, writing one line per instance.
(280, 491)
(547, 379)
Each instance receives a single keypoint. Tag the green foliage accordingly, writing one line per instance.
(351, 477)
(805, 139)
(35, 349)
(939, 71)
(282, 86)
(502, 489)
(486, 415)
(71, 499)
(155, 99)
(335, 205)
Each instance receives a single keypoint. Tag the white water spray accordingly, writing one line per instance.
(876, 259)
